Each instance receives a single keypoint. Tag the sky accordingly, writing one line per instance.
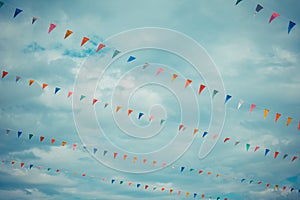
(224, 46)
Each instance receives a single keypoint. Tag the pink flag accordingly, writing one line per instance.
(159, 71)
(51, 27)
(273, 16)
(252, 107)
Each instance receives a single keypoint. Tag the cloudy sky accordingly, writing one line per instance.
(215, 43)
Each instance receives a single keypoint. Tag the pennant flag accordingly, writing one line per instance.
(201, 88)
(162, 189)
(252, 107)
(144, 161)
(94, 101)
(19, 134)
(187, 194)
(30, 82)
(146, 187)
(82, 97)
(112, 181)
(276, 187)
(52, 141)
(22, 164)
(204, 134)
(174, 76)
(273, 16)
(34, 19)
(74, 146)
(236, 143)
(195, 195)
(214, 93)
(291, 26)
(283, 188)
(209, 173)
(7, 131)
(218, 198)
(138, 185)
(48, 169)
(243, 180)
(298, 126)
(145, 65)
(44, 85)
(84, 40)
(153, 163)
(115, 155)
(180, 127)
(294, 158)
(69, 94)
(187, 83)
(181, 169)
(251, 181)
(42, 138)
(267, 151)
(162, 121)
(131, 58)
(57, 170)
(13, 162)
(227, 98)
(105, 152)
(129, 112)
(226, 139)
(277, 116)
(292, 189)
(240, 104)
(289, 120)
(30, 166)
(191, 169)
(125, 157)
(116, 52)
(63, 143)
(100, 46)
(163, 165)
(68, 33)
(56, 90)
(105, 105)
(30, 136)
(95, 150)
(4, 73)
(118, 108)
(237, 2)
(160, 70)
(179, 192)
(276, 154)
(256, 148)
(266, 112)
(200, 171)
(1, 4)
(17, 11)
(268, 185)
(195, 131)
(140, 115)
(171, 191)
(202, 196)
(247, 146)
(51, 27)
(129, 183)
(285, 155)
(121, 182)
(18, 78)
(151, 118)
(258, 8)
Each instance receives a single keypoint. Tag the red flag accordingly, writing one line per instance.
(22, 164)
(125, 157)
(256, 148)
(42, 138)
(277, 116)
(129, 112)
(84, 40)
(52, 141)
(180, 127)
(187, 83)
(144, 161)
(201, 88)
(101, 46)
(294, 158)
(226, 139)
(44, 85)
(276, 154)
(94, 101)
(115, 155)
(30, 82)
(4, 73)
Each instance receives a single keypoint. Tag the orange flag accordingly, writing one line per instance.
(68, 33)
(277, 116)
(63, 143)
(31, 81)
(187, 83)
(289, 121)
(195, 131)
(118, 108)
(44, 85)
(129, 111)
(174, 76)
(134, 159)
(84, 40)
(266, 113)
(187, 194)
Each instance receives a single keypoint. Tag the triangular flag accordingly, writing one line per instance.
(291, 26)
(242, 180)
(174, 76)
(51, 27)
(277, 116)
(94, 101)
(151, 118)
(201, 88)
(131, 58)
(68, 33)
(1, 4)
(34, 19)
(144, 161)
(116, 52)
(18, 78)
(162, 121)
(118, 108)
(153, 163)
(195, 131)
(17, 11)
(112, 181)
(214, 93)
(252, 107)
(195, 195)
(227, 98)
(145, 65)
(200, 171)
(129, 112)
(105, 105)
(247, 146)
(44, 85)
(30, 136)
(256, 148)
(100, 46)
(134, 159)
(171, 191)
(74, 146)
(258, 8)
(30, 82)
(42, 138)
(52, 141)
(276, 187)
(236, 143)
(82, 97)
(289, 120)
(105, 152)
(121, 182)
(7, 131)
(204, 134)
(84, 40)
(237, 2)
(125, 157)
(267, 151)
(95, 150)
(226, 139)
(180, 127)
(285, 155)
(187, 83)
(22, 164)
(187, 194)
(298, 126)
(240, 104)
(30, 166)
(146, 187)
(181, 169)
(276, 154)
(69, 94)
(138, 185)
(63, 143)
(294, 158)
(19, 134)
(4, 73)
(56, 90)
(179, 192)
(140, 115)
(266, 112)
(273, 16)
(160, 70)
(115, 155)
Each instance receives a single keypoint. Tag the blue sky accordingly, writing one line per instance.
(257, 61)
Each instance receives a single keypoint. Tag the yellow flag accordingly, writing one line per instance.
(266, 113)
(289, 121)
